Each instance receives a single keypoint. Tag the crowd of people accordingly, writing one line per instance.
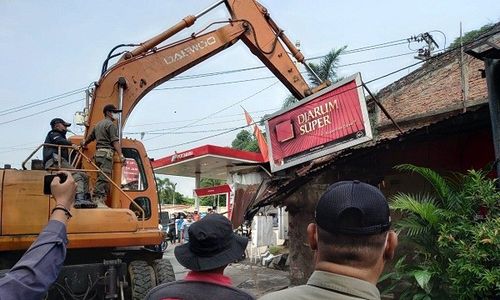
(181, 221)
(350, 237)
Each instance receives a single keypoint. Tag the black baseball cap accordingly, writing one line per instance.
(212, 244)
(59, 120)
(353, 208)
(110, 107)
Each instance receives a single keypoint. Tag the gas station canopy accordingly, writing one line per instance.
(209, 161)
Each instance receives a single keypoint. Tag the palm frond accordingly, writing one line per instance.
(413, 227)
(289, 101)
(423, 206)
(326, 69)
(440, 184)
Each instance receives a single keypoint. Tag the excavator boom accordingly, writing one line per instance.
(145, 67)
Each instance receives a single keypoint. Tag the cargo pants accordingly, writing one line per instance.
(81, 179)
(103, 158)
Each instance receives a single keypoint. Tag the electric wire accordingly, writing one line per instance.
(165, 130)
(242, 127)
(195, 76)
(272, 77)
(228, 130)
(223, 109)
(42, 111)
(215, 117)
(40, 102)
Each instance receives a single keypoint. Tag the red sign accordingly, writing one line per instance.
(130, 171)
(213, 190)
(334, 119)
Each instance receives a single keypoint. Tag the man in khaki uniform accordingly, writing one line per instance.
(105, 133)
(352, 242)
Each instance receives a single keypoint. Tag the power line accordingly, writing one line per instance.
(39, 112)
(214, 84)
(200, 139)
(215, 117)
(241, 127)
(163, 130)
(186, 77)
(223, 109)
(271, 77)
(40, 102)
(356, 50)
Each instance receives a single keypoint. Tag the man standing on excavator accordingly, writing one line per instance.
(51, 160)
(105, 133)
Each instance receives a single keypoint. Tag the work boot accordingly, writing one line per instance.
(99, 201)
(82, 201)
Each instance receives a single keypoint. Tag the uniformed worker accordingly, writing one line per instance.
(57, 136)
(105, 133)
(351, 240)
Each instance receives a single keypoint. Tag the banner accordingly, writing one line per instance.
(261, 140)
(330, 120)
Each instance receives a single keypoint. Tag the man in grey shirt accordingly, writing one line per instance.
(36, 271)
(352, 242)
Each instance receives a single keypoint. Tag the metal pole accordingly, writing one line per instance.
(197, 186)
(201, 13)
(386, 113)
(492, 70)
(173, 195)
(122, 84)
(312, 71)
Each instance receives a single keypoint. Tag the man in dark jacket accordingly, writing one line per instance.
(51, 160)
(212, 246)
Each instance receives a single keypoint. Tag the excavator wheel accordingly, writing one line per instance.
(142, 279)
(163, 271)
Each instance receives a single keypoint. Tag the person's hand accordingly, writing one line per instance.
(64, 193)
(76, 147)
(82, 144)
(123, 160)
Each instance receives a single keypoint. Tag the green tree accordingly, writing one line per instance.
(326, 69)
(167, 192)
(455, 236)
(245, 141)
(470, 36)
(212, 200)
(166, 189)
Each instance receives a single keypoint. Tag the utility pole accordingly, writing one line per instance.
(173, 195)
(424, 52)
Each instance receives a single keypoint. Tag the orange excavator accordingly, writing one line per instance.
(111, 251)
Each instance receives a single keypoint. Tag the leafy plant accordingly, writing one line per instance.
(326, 69)
(455, 236)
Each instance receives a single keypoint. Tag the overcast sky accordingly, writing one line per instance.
(52, 47)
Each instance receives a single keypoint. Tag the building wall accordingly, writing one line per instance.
(426, 96)
(434, 89)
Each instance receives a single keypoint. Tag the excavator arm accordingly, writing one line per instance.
(145, 67)
(140, 74)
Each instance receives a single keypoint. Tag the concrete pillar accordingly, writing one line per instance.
(197, 180)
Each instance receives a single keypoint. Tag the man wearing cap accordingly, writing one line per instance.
(105, 133)
(212, 246)
(51, 159)
(351, 240)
